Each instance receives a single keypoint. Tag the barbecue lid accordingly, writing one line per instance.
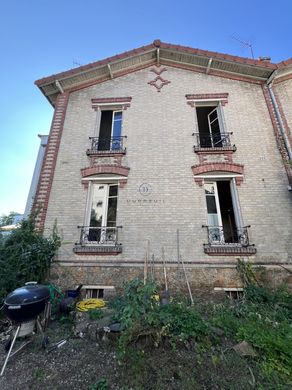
(27, 294)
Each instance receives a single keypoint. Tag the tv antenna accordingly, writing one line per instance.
(247, 44)
(76, 63)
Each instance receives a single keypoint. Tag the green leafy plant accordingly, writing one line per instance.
(141, 316)
(95, 314)
(101, 384)
(25, 255)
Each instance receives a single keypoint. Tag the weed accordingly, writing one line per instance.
(101, 384)
(95, 314)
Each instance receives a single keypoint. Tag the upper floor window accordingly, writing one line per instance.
(110, 130)
(108, 138)
(210, 125)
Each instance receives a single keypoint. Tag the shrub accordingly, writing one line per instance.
(25, 255)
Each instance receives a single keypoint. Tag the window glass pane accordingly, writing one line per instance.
(213, 220)
(211, 205)
(112, 212)
(113, 190)
(117, 125)
(97, 205)
(209, 189)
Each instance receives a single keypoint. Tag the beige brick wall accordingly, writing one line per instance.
(159, 127)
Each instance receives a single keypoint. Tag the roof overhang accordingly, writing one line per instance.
(159, 53)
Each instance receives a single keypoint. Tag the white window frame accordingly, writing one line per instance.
(235, 202)
(87, 213)
(105, 201)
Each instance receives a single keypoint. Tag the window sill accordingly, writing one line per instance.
(229, 250)
(105, 153)
(217, 150)
(97, 249)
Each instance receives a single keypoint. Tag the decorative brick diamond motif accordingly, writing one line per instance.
(159, 81)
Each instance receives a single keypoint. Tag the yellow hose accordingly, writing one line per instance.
(88, 304)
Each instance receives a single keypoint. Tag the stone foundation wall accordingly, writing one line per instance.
(202, 280)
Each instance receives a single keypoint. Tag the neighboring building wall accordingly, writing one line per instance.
(36, 175)
(159, 127)
(283, 92)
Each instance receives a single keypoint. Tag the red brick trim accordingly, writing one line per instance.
(279, 138)
(280, 79)
(229, 250)
(203, 153)
(217, 166)
(223, 97)
(42, 196)
(158, 71)
(99, 169)
(101, 250)
(126, 99)
(204, 96)
(159, 82)
(105, 153)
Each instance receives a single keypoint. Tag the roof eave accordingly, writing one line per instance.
(145, 56)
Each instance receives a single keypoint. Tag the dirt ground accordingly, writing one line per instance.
(81, 363)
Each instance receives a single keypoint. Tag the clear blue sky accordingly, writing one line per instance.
(42, 37)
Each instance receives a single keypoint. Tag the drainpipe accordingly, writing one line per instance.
(278, 115)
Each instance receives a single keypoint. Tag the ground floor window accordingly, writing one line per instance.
(222, 211)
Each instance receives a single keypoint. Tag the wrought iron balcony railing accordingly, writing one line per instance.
(102, 145)
(217, 235)
(220, 140)
(99, 236)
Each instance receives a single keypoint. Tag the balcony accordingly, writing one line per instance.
(106, 146)
(228, 242)
(215, 143)
(98, 240)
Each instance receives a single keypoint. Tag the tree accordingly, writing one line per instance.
(8, 219)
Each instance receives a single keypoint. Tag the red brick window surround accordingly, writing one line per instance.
(120, 102)
(215, 167)
(199, 97)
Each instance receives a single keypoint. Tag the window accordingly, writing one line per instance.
(103, 214)
(211, 130)
(99, 235)
(223, 214)
(110, 131)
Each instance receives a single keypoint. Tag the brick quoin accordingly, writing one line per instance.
(113, 169)
(41, 199)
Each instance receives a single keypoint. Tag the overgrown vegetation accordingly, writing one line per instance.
(25, 255)
(262, 319)
(142, 317)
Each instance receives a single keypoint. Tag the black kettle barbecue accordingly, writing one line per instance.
(27, 302)
(23, 306)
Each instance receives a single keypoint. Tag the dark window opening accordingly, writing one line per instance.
(110, 130)
(227, 212)
(209, 127)
(95, 293)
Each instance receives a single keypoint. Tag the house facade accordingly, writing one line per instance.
(167, 154)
